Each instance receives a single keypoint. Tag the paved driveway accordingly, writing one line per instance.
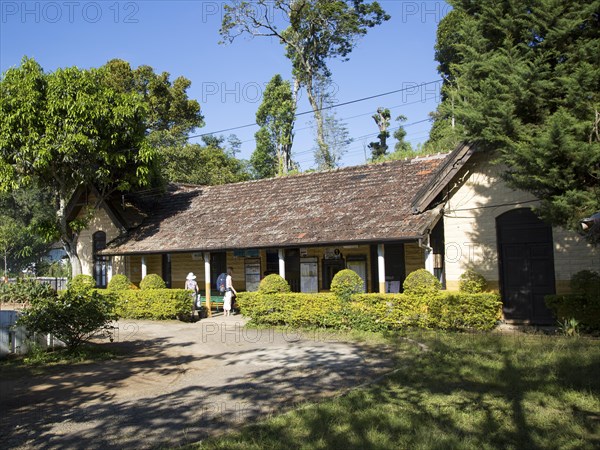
(178, 383)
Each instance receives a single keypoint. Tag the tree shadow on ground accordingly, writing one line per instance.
(453, 397)
(163, 393)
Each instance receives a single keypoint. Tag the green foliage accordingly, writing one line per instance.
(152, 281)
(586, 282)
(170, 113)
(346, 283)
(582, 305)
(275, 116)
(472, 282)
(196, 164)
(293, 309)
(264, 159)
(521, 80)
(23, 291)
(153, 304)
(569, 327)
(119, 282)
(81, 282)
(30, 210)
(72, 317)
(273, 284)
(422, 283)
(584, 309)
(374, 312)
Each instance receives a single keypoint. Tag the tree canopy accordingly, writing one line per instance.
(522, 79)
(208, 164)
(69, 128)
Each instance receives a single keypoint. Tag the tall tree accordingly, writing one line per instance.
(264, 159)
(276, 116)
(313, 32)
(382, 119)
(67, 128)
(523, 78)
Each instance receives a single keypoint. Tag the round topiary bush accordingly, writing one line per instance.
(472, 282)
(119, 283)
(81, 283)
(273, 284)
(421, 282)
(152, 281)
(346, 283)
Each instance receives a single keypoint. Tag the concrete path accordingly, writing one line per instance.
(178, 383)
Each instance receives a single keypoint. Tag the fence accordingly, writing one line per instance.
(57, 283)
(15, 339)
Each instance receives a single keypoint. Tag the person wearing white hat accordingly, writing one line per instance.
(192, 285)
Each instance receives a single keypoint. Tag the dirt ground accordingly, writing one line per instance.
(178, 383)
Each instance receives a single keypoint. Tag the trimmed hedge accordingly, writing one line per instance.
(374, 312)
(154, 304)
(294, 309)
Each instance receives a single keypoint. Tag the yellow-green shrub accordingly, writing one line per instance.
(119, 282)
(346, 283)
(294, 309)
(272, 284)
(461, 310)
(152, 281)
(374, 312)
(155, 304)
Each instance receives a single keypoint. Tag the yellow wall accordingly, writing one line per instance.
(414, 257)
(100, 222)
(183, 263)
(470, 228)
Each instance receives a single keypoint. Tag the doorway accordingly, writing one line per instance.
(526, 264)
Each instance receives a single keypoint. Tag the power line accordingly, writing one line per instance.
(351, 117)
(337, 105)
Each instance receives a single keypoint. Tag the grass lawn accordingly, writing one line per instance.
(468, 391)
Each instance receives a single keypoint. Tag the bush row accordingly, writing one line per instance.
(374, 312)
(156, 304)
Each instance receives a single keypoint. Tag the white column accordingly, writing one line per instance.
(207, 281)
(144, 267)
(109, 269)
(429, 260)
(381, 267)
(282, 263)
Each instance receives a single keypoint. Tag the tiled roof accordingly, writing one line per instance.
(369, 203)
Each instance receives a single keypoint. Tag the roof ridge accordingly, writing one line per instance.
(357, 167)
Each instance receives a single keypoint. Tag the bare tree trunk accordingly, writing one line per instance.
(324, 155)
(68, 237)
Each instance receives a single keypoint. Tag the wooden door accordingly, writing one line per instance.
(526, 263)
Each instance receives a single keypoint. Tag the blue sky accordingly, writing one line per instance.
(181, 37)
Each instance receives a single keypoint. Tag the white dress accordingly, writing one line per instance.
(228, 294)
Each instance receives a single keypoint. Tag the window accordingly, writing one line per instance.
(100, 262)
